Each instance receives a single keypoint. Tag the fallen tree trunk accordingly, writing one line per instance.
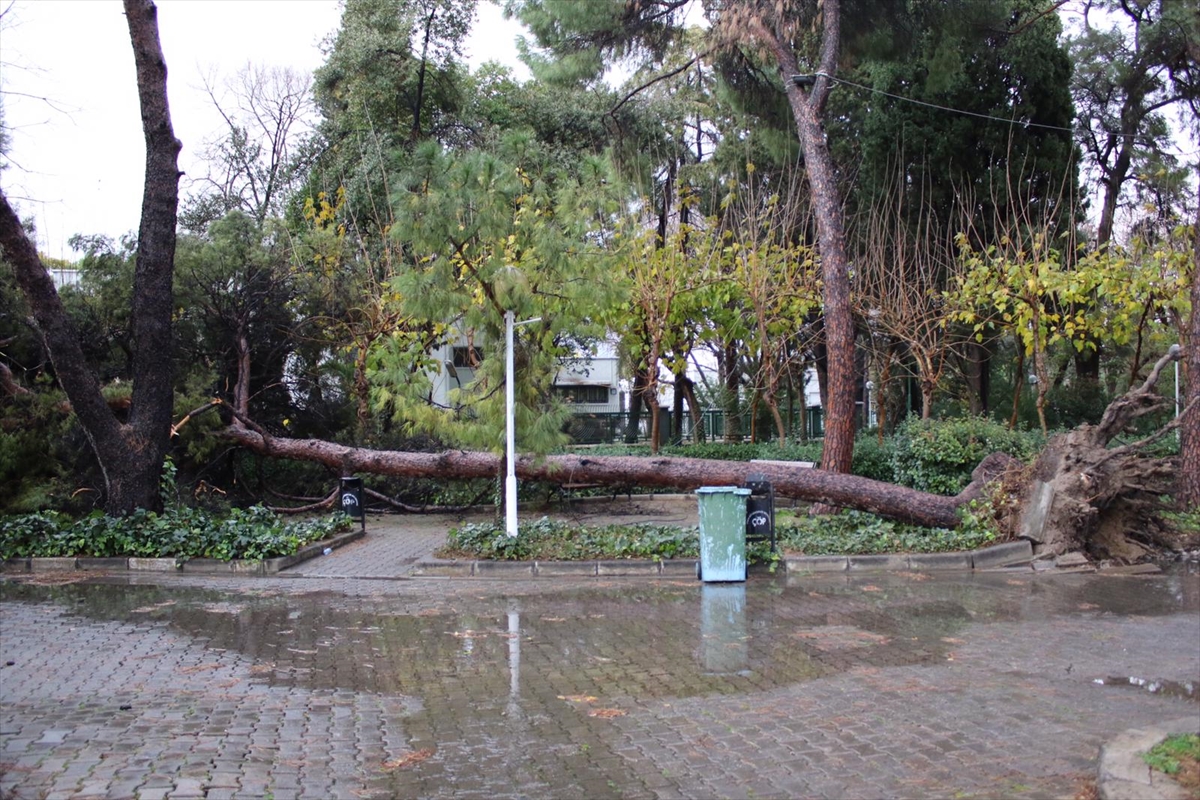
(1081, 494)
(813, 485)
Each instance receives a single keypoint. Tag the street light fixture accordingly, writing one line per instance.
(510, 443)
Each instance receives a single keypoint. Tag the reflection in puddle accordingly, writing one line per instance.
(724, 645)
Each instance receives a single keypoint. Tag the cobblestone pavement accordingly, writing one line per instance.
(873, 685)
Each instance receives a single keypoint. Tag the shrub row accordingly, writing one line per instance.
(179, 532)
(849, 533)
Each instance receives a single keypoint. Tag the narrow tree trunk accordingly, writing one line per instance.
(1187, 493)
(733, 387)
(807, 111)
(688, 387)
(131, 454)
(1018, 384)
(420, 99)
(636, 399)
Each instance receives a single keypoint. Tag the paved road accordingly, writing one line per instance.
(886, 685)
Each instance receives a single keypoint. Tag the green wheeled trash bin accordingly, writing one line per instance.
(722, 533)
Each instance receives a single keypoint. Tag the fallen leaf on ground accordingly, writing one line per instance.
(577, 698)
(554, 619)
(871, 588)
(407, 760)
(198, 668)
(606, 713)
(951, 640)
(155, 607)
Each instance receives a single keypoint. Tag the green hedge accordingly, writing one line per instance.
(938, 455)
(551, 540)
(254, 533)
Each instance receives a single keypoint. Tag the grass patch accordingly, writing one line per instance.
(1179, 757)
(179, 532)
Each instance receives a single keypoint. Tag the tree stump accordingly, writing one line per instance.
(1103, 501)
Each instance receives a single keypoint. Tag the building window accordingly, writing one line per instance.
(467, 357)
(593, 395)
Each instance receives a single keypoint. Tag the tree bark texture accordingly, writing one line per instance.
(847, 491)
(1099, 499)
(130, 454)
(807, 111)
(1187, 493)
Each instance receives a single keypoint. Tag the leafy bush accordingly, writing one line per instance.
(938, 455)
(872, 459)
(1170, 755)
(746, 451)
(254, 533)
(860, 533)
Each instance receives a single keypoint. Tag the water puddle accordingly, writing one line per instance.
(517, 690)
(1174, 689)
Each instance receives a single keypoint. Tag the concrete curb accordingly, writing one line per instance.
(997, 556)
(1123, 775)
(193, 566)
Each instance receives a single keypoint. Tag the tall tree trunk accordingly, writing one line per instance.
(976, 366)
(677, 407)
(808, 108)
(130, 454)
(636, 400)
(688, 387)
(420, 99)
(1187, 493)
(732, 375)
(1018, 385)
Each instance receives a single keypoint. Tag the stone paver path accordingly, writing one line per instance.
(879, 685)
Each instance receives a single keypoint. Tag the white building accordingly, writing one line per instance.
(589, 382)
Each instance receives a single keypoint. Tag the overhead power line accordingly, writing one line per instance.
(806, 80)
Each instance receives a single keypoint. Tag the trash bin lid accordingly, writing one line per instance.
(722, 490)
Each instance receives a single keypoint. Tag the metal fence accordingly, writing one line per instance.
(616, 428)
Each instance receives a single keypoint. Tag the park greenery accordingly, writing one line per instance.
(849, 533)
(977, 213)
(178, 532)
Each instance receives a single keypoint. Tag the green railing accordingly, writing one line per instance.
(617, 427)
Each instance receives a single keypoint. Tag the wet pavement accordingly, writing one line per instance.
(872, 685)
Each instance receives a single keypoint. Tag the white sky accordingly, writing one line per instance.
(76, 159)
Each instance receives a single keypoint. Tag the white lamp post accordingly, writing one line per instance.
(510, 444)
